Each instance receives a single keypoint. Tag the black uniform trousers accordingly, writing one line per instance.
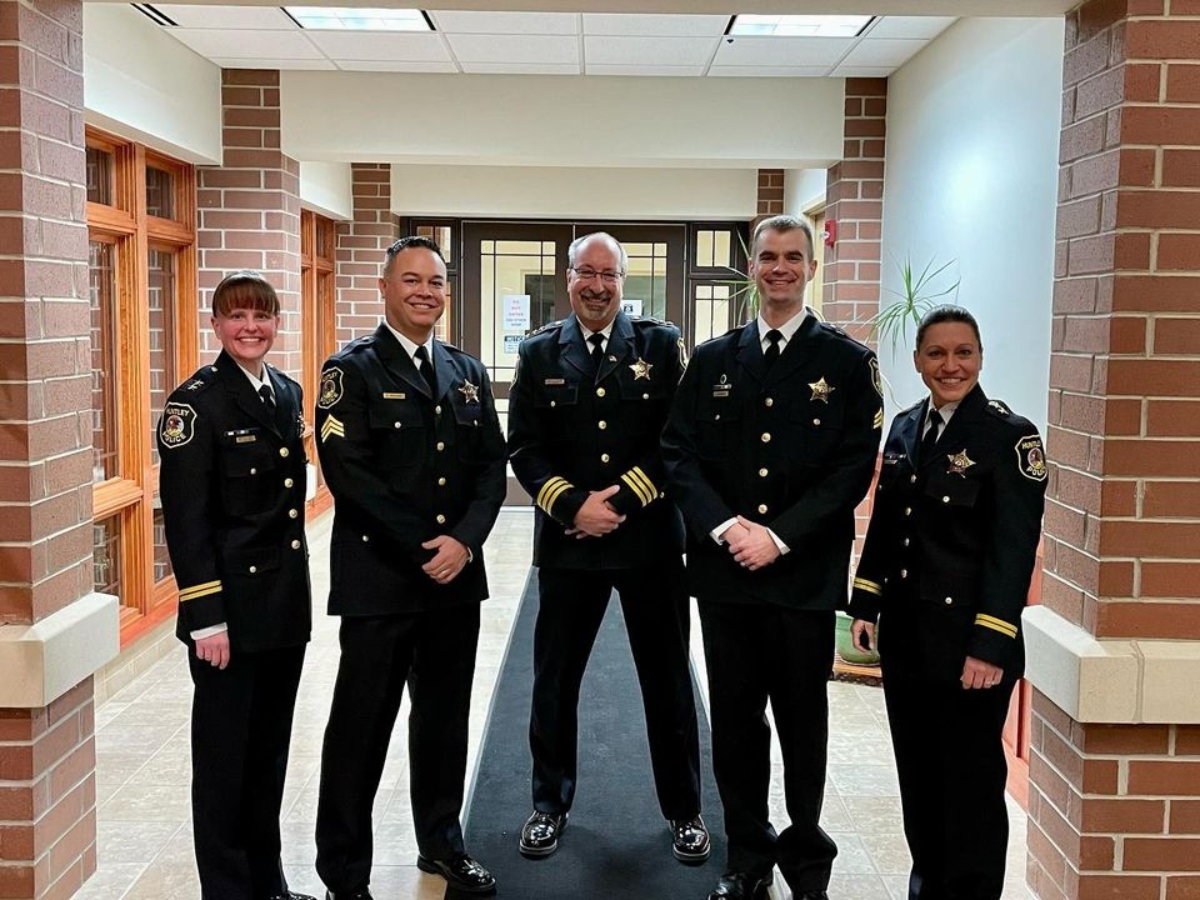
(434, 653)
(241, 727)
(654, 602)
(952, 770)
(755, 652)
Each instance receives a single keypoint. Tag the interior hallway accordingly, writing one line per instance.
(143, 768)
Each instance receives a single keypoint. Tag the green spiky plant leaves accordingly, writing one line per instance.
(917, 295)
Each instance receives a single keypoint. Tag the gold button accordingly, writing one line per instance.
(604, 457)
(292, 513)
(442, 481)
(946, 499)
(283, 451)
(949, 600)
(366, 537)
(766, 438)
(441, 520)
(816, 421)
(600, 392)
(762, 507)
(717, 417)
(254, 471)
(553, 403)
(253, 569)
(912, 479)
(295, 545)
(397, 425)
(907, 542)
(908, 510)
(437, 410)
(645, 396)
(762, 473)
(904, 573)
(770, 401)
(287, 482)
(441, 445)
(602, 424)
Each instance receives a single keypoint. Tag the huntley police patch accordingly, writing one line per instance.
(177, 425)
(1031, 458)
(331, 387)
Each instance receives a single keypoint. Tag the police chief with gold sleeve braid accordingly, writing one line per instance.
(946, 569)
(585, 413)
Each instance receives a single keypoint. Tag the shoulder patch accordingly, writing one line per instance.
(331, 387)
(177, 425)
(876, 377)
(1031, 457)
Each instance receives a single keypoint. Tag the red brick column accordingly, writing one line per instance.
(361, 246)
(1115, 793)
(770, 194)
(854, 195)
(47, 754)
(249, 209)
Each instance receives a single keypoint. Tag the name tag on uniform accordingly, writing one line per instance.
(392, 395)
(554, 382)
(721, 393)
(245, 439)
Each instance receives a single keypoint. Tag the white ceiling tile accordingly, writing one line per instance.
(483, 68)
(862, 71)
(782, 51)
(231, 44)
(648, 51)
(308, 64)
(633, 24)
(458, 22)
(684, 71)
(769, 71)
(262, 17)
(394, 65)
(883, 52)
(381, 45)
(509, 48)
(911, 26)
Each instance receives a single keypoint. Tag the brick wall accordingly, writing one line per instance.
(361, 246)
(854, 200)
(1113, 809)
(47, 756)
(770, 193)
(249, 210)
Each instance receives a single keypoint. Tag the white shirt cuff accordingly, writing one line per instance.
(721, 529)
(784, 549)
(201, 633)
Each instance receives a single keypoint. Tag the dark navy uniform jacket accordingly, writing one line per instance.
(572, 430)
(403, 468)
(792, 448)
(232, 484)
(953, 538)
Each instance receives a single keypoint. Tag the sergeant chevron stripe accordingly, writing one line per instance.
(334, 427)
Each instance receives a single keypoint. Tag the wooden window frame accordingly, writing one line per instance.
(317, 264)
(131, 494)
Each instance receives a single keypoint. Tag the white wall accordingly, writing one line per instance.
(144, 85)
(739, 123)
(327, 188)
(972, 167)
(803, 189)
(685, 194)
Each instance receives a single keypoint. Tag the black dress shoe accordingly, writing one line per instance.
(539, 834)
(741, 886)
(461, 872)
(689, 840)
(364, 894)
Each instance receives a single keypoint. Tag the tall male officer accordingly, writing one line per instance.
(585, 414)
(232, 485)
(770, 445)
(413, 454)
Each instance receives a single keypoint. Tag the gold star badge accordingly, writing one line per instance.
(641, 369)
(959, 463)
(821, 390)
(470, 392)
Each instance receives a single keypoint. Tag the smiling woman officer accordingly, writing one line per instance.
(946, 567)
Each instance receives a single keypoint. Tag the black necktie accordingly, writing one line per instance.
(268, 398)
(925, 454)
(774, 336)
(597, 342)
(426, 370)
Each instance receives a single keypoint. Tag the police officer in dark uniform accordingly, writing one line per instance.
(232, 482)
(413, 454)
(946, 567)
(585, 413)
(770, 445)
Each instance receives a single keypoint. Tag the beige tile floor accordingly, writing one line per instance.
(143, 768)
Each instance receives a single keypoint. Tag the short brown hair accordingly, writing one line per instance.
(244, 290)
(782, 224)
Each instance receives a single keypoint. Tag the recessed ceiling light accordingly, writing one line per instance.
(347, 18)
(799, 26)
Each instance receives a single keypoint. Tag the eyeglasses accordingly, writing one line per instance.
(606, 277)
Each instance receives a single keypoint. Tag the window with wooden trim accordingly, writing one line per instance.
(142, 287)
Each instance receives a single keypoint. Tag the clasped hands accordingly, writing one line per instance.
(596, 518)
(750, 544)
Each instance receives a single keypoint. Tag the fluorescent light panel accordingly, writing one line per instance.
(346, 18)
(799, 26)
